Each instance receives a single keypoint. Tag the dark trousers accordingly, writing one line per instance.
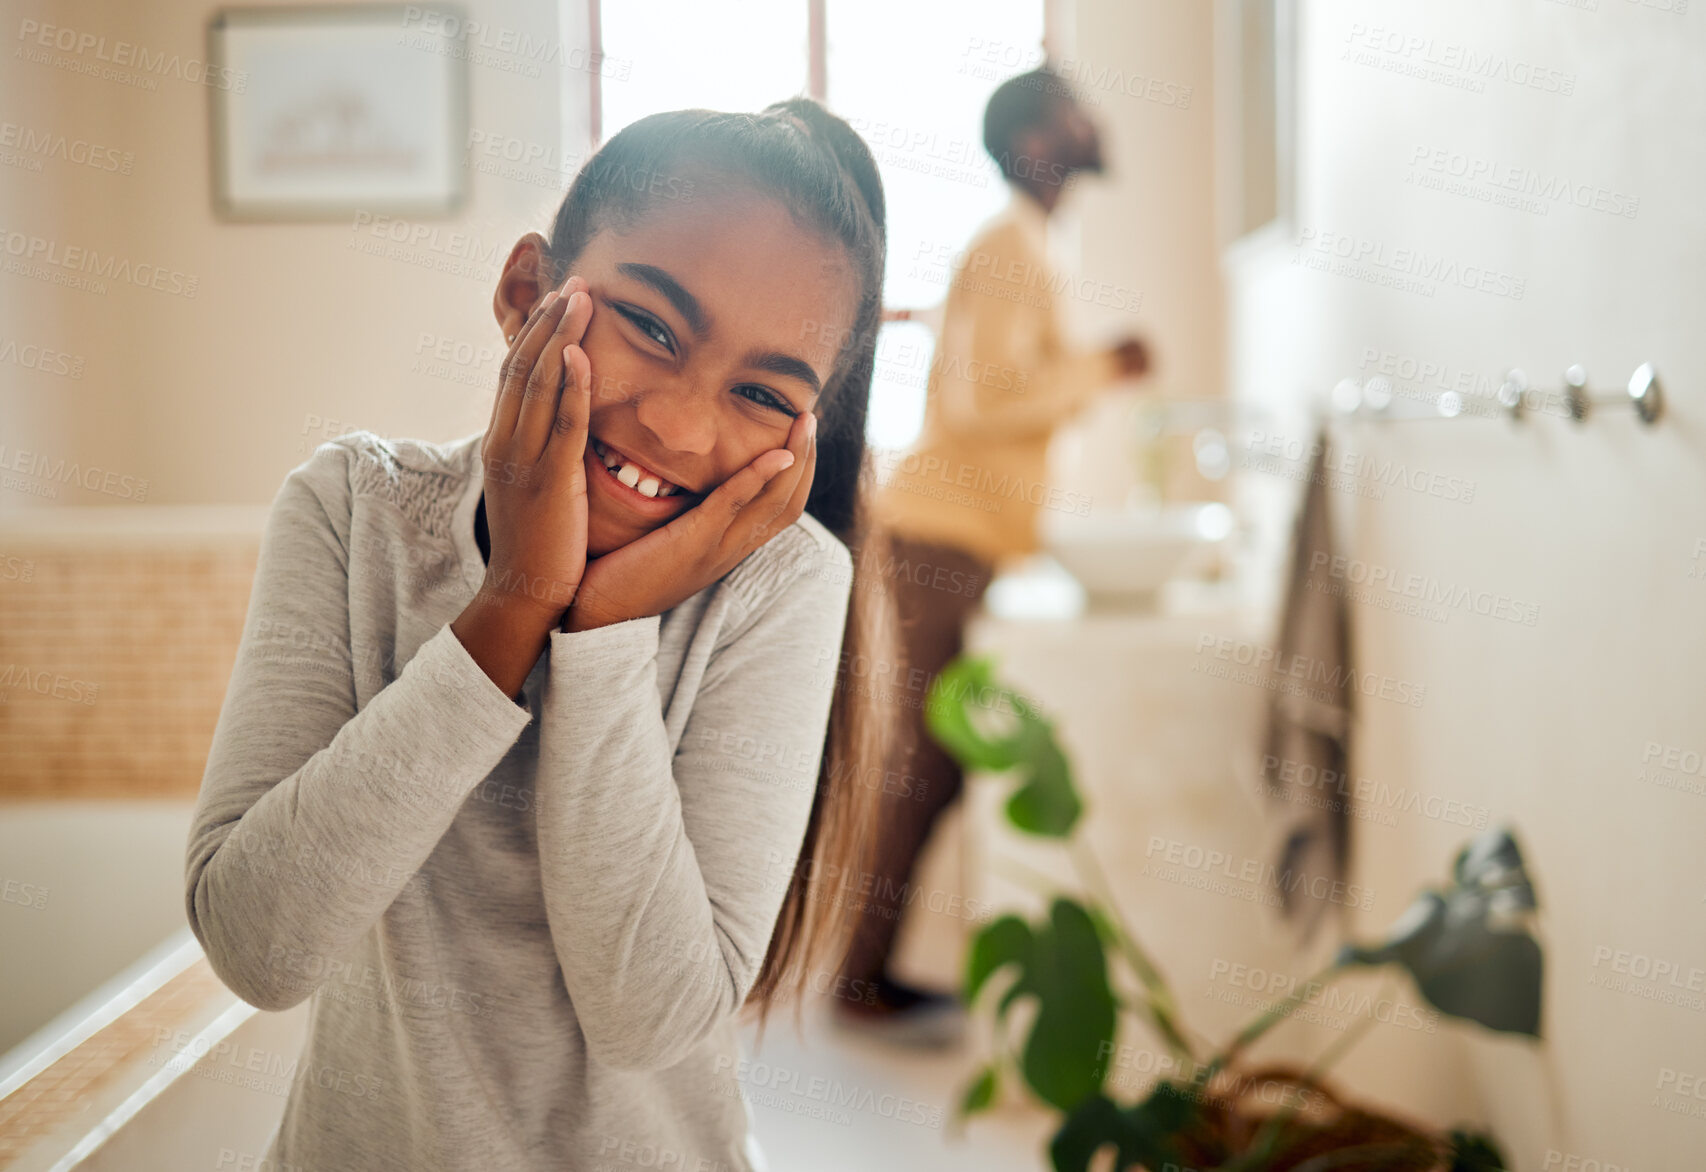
(936, 588)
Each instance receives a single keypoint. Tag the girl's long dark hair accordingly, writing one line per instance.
(818, 167)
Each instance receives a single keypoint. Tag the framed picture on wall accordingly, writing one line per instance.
(324, 112)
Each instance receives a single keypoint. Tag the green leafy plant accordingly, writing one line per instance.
(1466, 946)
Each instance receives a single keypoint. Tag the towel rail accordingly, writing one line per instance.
(1515, 397)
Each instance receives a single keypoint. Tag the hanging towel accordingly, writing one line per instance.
(1306, 750)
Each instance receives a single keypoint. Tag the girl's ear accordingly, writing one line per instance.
(526, 278)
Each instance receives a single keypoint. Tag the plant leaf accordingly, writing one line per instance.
(1062, 965)
(1087, 1129)
(1065, 1056)
(1473, 1152)
(1046, 802)
(1498, 985)
(964, 683)
(1142, 1135)
(1154, 1124)
(981, 1093)
(1467, 946)
(1004, 941)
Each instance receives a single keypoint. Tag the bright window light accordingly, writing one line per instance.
(897, 385)
(683, 54)
(913, 79)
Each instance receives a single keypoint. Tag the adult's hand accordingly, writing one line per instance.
(1133, 357)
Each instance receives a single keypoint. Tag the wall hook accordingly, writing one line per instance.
(1643, 392)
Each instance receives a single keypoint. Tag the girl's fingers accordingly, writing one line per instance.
(518, 363)
(567, 445)
(803, 490)
(518, 366)
(545, 382)
(773, 509)
(744, 511)
(717, 512)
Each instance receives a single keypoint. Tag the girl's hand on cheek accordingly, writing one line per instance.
(535, 481)
(669, 565)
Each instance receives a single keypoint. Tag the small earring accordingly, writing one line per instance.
(512, 337)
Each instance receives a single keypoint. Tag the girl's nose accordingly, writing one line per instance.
(681, 417)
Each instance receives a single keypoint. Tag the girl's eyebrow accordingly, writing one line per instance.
(688, 306)
(685, 303)
(788, 366)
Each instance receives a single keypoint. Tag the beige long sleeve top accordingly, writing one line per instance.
(525, 925)
(1003, 377)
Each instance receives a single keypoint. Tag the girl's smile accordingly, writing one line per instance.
(627, 483)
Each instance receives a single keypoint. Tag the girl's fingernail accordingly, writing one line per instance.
(811, 426)
(787, 461)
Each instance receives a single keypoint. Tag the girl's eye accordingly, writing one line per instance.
(765, 397)
(649, 326)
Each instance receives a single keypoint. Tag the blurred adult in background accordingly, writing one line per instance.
(966, 498)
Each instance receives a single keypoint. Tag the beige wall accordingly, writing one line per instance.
(1146, 72)
(212, 399)
(1600, 526)
(1146, 228)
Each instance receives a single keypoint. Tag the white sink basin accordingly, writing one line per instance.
(1124, 557)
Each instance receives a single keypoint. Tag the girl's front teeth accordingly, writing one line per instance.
(644, 485)
(630, 475)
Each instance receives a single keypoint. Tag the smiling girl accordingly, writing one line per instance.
(522, 773)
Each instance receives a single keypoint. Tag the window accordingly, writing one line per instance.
(684, 53)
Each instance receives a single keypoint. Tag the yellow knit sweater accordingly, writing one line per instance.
(1002, 379)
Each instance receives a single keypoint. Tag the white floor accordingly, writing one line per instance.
(834, 1103)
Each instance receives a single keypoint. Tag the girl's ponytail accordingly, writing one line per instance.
(815, 924)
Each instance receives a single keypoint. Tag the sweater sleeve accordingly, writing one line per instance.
(663, 875)
(1004, 369)
(312, 816)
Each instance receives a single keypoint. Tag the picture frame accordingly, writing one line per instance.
(326, 111)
